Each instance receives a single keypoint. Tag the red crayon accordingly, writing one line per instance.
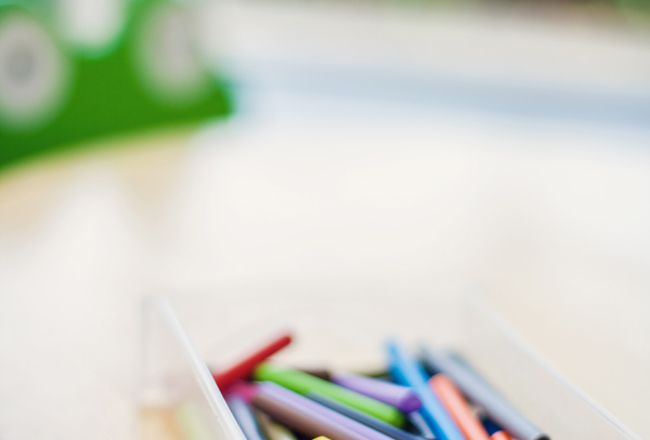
(245, 367)
(500, 435)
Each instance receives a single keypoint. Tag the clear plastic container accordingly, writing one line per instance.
(344, 330)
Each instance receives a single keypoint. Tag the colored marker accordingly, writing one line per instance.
(481, 393)
(273, 430)
(245, 367)
(406, 370)
(402, 398)
(500, 435)
(304, 383)
(458, 408)
(420, 425)
(361, 417)
(309, 417)
(245, 419)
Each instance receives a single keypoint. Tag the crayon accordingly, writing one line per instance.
(402, 398)
(321, 373)
(489, 425)
(420, 425)
(245, 418)
(481, 393)
(309, 417)
(325, 374)
(304, 383)
(303, 421)
(406, 370)
(241, 389)
(283, 393)
(322, 437)
(362, 417)
(494, 431)
(458, 408)
(273, 430)
(244, 368)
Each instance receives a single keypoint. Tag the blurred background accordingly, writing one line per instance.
(153, 146)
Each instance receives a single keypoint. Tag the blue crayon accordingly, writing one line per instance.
(408, 371)
(245, 418)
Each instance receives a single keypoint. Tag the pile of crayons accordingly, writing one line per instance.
(435, 396)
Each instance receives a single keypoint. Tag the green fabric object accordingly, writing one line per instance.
(53, 95)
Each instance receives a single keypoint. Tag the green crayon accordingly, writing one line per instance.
(304, 383)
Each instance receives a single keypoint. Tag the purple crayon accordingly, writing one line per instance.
(307, 416)
(401, 397)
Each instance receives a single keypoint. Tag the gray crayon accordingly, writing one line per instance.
(481, 393)
(421, 425)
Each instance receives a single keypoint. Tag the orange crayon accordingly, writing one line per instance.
(459, 409)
